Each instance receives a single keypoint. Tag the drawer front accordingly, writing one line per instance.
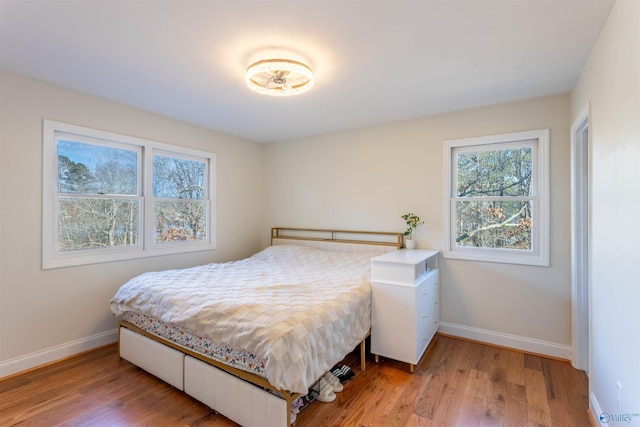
(426, 295)
(166, 363)
(423, 339)
(426, 327)
(236, 399)
(432, 301)
(427, 309)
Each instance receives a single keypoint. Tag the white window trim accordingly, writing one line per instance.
(52, 258)
(539, 255)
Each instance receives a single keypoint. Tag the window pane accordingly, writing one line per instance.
(494, 173)
(178, 220)
(96, 169)
(491, 224)
(88, 223)
(175, 178)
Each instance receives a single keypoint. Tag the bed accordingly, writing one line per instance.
(274, 323)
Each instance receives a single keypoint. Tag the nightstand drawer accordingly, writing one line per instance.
(426, 323)
(427, 294)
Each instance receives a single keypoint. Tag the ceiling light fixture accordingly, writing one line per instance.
(279, 77)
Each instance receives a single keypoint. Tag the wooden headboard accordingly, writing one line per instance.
(338, 240)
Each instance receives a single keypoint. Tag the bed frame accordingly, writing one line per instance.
(246, 398)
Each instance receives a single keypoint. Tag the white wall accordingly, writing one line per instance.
(366, 179)
(611, 82)
(45, 315)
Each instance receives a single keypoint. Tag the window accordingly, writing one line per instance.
(497, 198)
(110, 197)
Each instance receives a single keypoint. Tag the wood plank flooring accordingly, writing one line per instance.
(457, 383)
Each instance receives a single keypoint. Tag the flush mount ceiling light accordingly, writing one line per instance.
(279, 77)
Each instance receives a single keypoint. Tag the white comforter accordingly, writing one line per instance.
(301, 309)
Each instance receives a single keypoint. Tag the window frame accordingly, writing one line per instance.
(52, 257)
(539, 253)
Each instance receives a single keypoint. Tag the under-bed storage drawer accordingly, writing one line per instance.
(166, 363)
(238, 400)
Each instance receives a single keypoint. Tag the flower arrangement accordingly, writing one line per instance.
(413, 221)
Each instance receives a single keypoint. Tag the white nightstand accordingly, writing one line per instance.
(405, 309)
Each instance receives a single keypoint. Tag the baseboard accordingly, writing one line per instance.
(528, 345)
(594, 409)
(33, 360)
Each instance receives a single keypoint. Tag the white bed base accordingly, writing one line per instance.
(238, 395)
(236, 399)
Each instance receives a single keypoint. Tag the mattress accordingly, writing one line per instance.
(297, 309)
(198, 343)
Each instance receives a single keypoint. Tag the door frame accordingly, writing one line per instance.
(580, 240)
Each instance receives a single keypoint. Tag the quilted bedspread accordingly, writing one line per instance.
(301, 309)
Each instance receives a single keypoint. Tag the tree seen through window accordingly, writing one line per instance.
(490, 210)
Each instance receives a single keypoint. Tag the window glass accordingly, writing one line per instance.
(96, 169)
(490, 184)
(495, 172)
(89, 223)
(494, 224)
(182, 215)
(180, 220)
(178, 178)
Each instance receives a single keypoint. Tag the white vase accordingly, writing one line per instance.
(410, 244)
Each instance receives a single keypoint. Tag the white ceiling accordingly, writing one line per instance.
(375, 61)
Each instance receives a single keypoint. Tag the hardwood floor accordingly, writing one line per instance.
(457, 383)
